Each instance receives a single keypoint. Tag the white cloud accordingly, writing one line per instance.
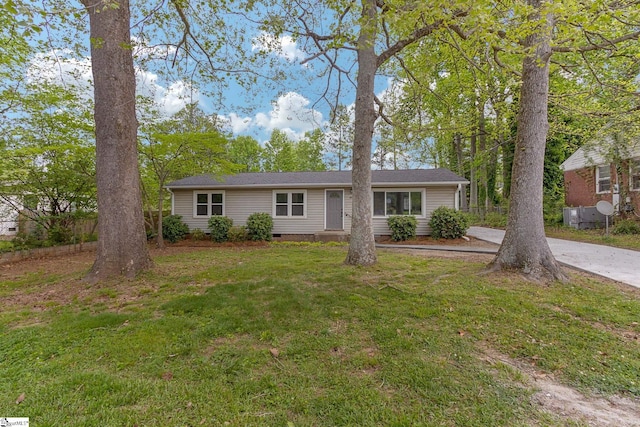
(60, 67)
(290, 114)
(283, 46)
(236, 124)
(169, 100)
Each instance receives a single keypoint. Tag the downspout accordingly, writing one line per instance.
(456, 198)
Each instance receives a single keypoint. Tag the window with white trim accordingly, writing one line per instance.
(603, 179)
(207, 204)
(386, 203)
(634, 174)
(289, 204)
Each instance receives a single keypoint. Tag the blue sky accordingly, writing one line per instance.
(256, 111)
(295, 107)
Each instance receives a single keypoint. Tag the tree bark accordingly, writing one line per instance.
(482, 146)
(525, 248)
(160, 237)
(362, 248)
(473, 176)
(457, 143)
(122, 245)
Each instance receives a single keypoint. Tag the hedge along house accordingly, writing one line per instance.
(592, 174)
(312, 205)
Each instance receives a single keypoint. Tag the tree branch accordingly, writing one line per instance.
(609, 45)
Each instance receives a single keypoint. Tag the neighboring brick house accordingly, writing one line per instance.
(590, 175)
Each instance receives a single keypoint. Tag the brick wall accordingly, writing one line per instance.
(580, 189)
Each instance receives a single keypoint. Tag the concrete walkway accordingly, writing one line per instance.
(622, 265)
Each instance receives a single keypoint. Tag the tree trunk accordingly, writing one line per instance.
(122, 244)
(457, 143)
(362, 248)
(482, 145)
(525, 247)
(160, 237)
(473, 177)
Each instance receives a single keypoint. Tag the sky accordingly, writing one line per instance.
(291, 110)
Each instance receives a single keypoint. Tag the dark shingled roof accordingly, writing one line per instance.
(319, 179)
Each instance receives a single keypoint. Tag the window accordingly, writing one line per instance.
(289, 203)
(603, 179)
(634, 174)
(208, 204)
(387, 203)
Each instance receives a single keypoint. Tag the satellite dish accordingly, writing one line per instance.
(604, 207)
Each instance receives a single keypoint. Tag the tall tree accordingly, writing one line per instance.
(374, 33)
(246, 152)
(525, 246)
(340, 137)
(310, 151)
(279, 154)
(122, 241)
(50, 158)
(168, 156)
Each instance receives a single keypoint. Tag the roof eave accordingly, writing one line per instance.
(311, 185)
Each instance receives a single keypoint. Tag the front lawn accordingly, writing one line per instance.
(596, 236)
(289, 336)
(5, 245)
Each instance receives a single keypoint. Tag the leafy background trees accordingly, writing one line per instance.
(456, 68)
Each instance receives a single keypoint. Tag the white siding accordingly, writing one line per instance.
(239, 204)
(9, 216)
(435, 197)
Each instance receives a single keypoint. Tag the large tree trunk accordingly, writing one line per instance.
(482, 145)
(525, 247)
(122, 244)
(362, 248)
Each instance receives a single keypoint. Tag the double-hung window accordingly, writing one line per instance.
(208, 204)
(387, 203)
(603, 179)
(634, 174)
(289, 204)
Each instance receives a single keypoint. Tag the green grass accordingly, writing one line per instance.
(288, 335)
(597, 236)
(5, 245)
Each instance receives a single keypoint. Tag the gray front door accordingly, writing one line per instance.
(334, 208)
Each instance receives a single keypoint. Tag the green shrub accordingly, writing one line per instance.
(403, 227)
(238, 234)
(59, 234)
(448, 223)
(197, 234)
(173, 229)
(495, 220)
(34, 239)
(219, 227)
(626, 226)
(259, 226)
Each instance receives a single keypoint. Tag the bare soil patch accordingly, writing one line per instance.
(568, 403)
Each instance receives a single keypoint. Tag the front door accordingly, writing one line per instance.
(334, 209)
